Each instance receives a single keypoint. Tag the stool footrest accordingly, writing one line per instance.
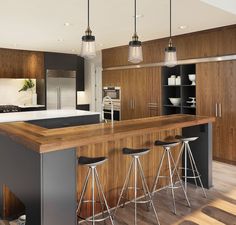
(95, 220)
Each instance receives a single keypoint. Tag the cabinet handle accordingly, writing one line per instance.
(133, 104)
(216, 109)
(220, 110)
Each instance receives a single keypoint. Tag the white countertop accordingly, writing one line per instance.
(42, 114)
(30, 106)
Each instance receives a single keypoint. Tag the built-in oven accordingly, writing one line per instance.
(112, 92)
(116, 109)
(114, 100)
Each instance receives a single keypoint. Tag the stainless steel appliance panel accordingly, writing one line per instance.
(61, 89)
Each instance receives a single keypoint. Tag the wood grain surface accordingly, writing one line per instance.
(45, 140)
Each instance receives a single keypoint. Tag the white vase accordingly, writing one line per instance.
(34, 99)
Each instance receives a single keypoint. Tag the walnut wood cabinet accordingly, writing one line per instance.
(140, 91)
(21, 64)
(216, 96)
(214, 42)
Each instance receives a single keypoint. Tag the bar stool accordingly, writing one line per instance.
(92, 163)
(136, 167)
(186, 150)
(167, 146)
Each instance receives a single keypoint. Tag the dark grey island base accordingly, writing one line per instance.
(46, 182)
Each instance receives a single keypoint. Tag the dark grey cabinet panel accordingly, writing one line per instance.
(61, 61)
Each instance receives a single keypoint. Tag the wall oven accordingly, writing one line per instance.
(115, 94)
(112, 92)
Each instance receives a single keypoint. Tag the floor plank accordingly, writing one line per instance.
(218, 209)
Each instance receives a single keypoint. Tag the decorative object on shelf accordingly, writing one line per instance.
(193, 102)
(29, 85)
(22, 220)
(172, 80)
(135, 46)
(178, 81)
(170, 51)
(192, 78)
(88, 42)
(175, 101)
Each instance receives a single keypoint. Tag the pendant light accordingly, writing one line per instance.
(135, 46)
(170, 51)
(88, 42)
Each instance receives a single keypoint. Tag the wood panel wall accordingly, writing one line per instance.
(12, 206)
(214, 42)
(21, 64)
(113, 172)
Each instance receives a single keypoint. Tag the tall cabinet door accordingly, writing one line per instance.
(227, 110)
(127, 93)
(207, 98)
(154, 91)
(140, 95)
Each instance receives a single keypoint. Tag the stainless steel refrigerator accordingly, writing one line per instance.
(61, 89)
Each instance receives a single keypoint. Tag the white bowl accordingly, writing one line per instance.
(192, 78)
(175, 101)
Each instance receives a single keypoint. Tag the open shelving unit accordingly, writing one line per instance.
(183, 91)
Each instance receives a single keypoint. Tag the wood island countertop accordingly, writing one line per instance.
(44, 140)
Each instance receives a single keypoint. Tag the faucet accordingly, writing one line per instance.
(105, 99)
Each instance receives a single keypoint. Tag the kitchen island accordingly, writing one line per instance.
(39, 165)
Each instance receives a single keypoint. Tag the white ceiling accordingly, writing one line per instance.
(39, 24)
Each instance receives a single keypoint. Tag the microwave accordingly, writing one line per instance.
(112, 92)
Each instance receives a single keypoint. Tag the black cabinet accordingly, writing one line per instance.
(61, 61)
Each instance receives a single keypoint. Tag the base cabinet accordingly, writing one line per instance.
(216, 96)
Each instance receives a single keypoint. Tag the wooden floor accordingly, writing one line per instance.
(219, 208)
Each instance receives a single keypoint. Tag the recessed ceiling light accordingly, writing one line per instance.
(60, 39)
(67, 24)
(182, 27)
(101, 45)
(73, 50)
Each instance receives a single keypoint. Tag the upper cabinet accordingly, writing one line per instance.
(208, 43)
(61, 61)
(21, 64)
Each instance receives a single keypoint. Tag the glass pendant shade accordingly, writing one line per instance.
(135, 52)
(170, 57)
(88, 49)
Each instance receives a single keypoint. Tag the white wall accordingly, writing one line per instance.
(93, 84)
(10, 95)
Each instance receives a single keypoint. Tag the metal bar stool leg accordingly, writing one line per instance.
(93, 196)
(148, 192)
(125, 186)
(99, 196)
(83, 192)
(144, 190)
(103, 195)
(135, 190)
(200, 180)
(193, 169)
(171, 181)
(158, 173)
(185, 194)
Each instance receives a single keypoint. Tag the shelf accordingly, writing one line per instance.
(184, 85)
(166, 85)
(189, 107)
(174, 106)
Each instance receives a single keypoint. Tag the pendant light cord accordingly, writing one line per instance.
(135, 25)
(170, 20)
(88, 14)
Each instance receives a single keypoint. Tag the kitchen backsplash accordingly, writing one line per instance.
(10, 95)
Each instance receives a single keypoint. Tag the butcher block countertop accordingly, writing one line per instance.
(44, 140)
